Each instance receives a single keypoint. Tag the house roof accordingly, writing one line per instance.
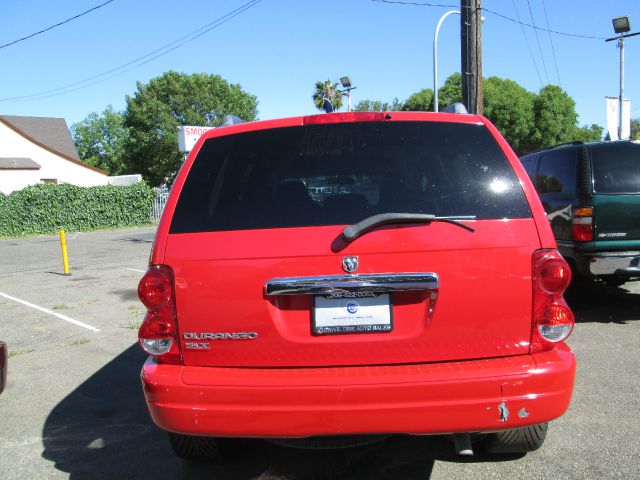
(52, 134)
(18, 164)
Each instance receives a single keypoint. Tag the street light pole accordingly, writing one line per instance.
(620, 99)
(346, 84)
(621, 26)
(435, 58)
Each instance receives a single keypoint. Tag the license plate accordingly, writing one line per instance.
(352, 313)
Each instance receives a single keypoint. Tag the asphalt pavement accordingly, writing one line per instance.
(73, 407)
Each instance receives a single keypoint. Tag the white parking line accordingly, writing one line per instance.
(45, 310)
(133, 269)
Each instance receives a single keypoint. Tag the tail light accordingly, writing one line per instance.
(158, 333)
(552, 319)
(582, 224)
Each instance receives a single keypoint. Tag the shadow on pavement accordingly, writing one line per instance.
(146, 237)
(126, 294)
(102, 430)
(599, 303)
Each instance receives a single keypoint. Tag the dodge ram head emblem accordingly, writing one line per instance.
(349, 264)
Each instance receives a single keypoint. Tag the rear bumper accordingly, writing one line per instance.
(624, 264)
(470, 396)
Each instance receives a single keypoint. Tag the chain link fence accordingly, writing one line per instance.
(162, 193)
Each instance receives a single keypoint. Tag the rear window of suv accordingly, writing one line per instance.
(616, 167)
(339, 174)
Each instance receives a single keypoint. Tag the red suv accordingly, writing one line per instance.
(355, 274)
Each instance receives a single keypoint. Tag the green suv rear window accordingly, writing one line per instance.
(616, 167)
(339, 174)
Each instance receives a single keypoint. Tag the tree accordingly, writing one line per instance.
(510, 108)
(451, 91)
(421, 101)
(378, 106)
(555, 117)
(589, 134)
(330, 91)
(100, 140)
(157, 108)
(635, 129)
(527, 120)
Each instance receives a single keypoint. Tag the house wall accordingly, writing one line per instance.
(13, 144)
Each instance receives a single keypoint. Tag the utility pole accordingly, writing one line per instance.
(471, 55)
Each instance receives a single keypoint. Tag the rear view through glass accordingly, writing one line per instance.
(342, 173)
(616, 167)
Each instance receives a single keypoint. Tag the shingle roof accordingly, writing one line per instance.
(18, 164)
(50, 132)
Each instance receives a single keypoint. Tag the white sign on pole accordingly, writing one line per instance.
(189, 135)
(613, 118)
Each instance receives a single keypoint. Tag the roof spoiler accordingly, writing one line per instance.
(455, 108)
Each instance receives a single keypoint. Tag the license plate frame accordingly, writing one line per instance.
(351, 313)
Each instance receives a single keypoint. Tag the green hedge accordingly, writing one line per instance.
(42, 209)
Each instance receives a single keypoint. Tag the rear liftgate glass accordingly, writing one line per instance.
(254, 248)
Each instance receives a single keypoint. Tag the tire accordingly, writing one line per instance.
(201, 449)
(519, 440)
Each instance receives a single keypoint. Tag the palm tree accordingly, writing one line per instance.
(330, 91)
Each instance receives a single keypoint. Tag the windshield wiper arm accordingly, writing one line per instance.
(351, 232)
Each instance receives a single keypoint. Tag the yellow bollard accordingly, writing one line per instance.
(65, 258)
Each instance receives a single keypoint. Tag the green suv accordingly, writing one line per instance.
(591, 193)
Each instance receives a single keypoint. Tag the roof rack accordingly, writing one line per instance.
(229, 120)
(455, 108)
(566, 144)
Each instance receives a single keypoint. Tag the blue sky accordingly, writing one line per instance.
(278, 49)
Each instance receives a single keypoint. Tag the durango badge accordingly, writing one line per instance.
(349, 264)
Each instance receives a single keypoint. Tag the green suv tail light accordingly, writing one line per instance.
(582, 224)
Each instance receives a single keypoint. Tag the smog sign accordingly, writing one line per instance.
(189, 135)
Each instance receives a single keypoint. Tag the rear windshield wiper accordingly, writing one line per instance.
(351, 232)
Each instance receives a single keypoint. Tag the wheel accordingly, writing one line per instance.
(519, 440)
(202, 449)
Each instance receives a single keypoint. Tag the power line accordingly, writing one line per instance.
(575, 35)
(54, 26)
(544, 65)
(417, 4)
(138, 62)
(484, 9)
(533, 59)
(553, 50)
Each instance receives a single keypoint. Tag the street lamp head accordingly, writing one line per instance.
(346, 82)
(621, 24)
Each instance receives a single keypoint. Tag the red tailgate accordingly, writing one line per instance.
(220, 282)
